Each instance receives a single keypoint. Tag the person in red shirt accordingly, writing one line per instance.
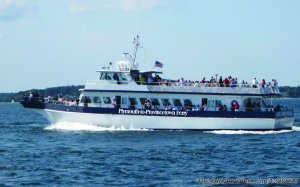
(263, 82)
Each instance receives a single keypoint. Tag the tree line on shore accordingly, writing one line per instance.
(54, 91)
(287, 91)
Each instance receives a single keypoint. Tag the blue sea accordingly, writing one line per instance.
(34, 152)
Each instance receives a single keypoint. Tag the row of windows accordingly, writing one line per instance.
(153, 101)
(113, 76)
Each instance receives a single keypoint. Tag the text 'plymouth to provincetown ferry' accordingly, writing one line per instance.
(125, 96)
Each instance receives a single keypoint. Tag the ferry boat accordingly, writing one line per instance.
(127, 97)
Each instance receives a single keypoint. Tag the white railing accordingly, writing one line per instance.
(215, 88)
(194, 87)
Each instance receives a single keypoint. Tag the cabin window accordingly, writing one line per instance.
(106, 76)
(187, 102)
(177, 102)
(165, 102)
(143, 101)
(85, 99)
(204, 101)
(132, 101)
(97, 99)
(211, 104)
(219, 103)
(124, 101)
(102, 76)
(116, 76)
(155, 102)
(122, 77)
(106, 100)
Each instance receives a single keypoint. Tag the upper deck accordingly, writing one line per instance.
(192, 88)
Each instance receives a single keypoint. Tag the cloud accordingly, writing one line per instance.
(133, 5)
(81, 6)
(15, 9)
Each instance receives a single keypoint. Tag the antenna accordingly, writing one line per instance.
(136, 42)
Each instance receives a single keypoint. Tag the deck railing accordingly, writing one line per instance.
(234, 89)
(195, 87)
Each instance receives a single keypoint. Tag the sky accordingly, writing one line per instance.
(48, 43)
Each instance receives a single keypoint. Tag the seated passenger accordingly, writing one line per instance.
(147, 104)
(249, 106)
(224, 108)
(234, 106)
(277, 108)
(168, 106)
(150, 81)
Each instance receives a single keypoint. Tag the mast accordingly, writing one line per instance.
(136, 43)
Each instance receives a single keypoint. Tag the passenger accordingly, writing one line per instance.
(142, 80)
(114, 103)
(236, 82)
(212, 82)
(150, 81)
(254, 83)
(158, 80)
(224, 108)
(275, 83)
(85, 102)
(204, 107)
(277, 108)
(232, 84)
(30, 97)
(168, 106)
(263, 83)
(181, 82)
(226, 82)
(243, 84)
(221, 82)
(249, 106)
(220, 108)
(235, 106)
(148, 104)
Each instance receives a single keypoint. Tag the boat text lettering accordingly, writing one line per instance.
(152, 112)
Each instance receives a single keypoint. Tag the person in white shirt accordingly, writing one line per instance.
(254, 83)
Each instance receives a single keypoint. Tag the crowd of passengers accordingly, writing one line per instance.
(250, 107)
(222, 82)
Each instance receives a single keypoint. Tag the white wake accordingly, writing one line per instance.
(68, 126)
(294, 128)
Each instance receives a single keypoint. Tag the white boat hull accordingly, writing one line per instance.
(162, 122)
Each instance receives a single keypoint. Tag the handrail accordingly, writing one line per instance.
(197, 87)
(256, 86)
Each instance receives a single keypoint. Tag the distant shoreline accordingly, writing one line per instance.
(288, 92)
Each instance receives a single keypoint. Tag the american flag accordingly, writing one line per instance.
(158, 64)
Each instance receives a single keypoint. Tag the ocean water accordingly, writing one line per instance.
(34, 152)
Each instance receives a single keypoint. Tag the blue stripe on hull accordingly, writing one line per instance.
(115, 111)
